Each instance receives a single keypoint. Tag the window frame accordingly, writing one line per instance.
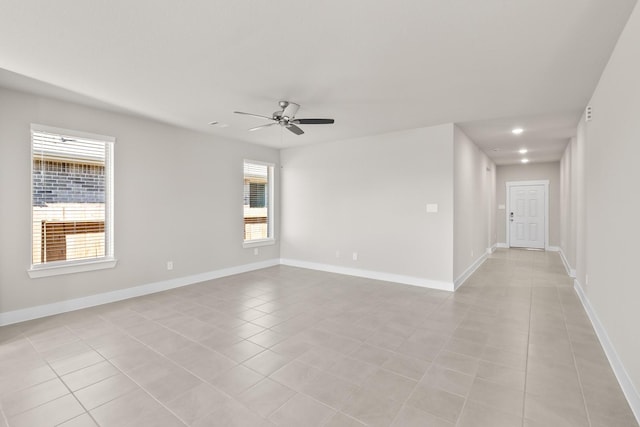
(270, 196)
(55, 268)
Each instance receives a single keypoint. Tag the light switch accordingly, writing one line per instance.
(432, 208)
(501, 207)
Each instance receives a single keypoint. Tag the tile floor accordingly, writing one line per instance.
(292, 347)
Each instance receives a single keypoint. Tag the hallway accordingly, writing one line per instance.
(286, 346)
(524, 303)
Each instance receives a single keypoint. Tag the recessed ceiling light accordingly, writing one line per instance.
(523, 151)
(218, 124)
(517, 131)
(524, 160)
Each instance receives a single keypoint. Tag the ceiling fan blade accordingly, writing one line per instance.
(254, 115)
(290, 110)
(314, 121)
(262, 126)
(295, 129)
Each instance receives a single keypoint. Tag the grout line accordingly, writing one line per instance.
(472, 301)
(135, 382)
(442, 302)
(86, 411)
(180, 366)
(119, 328)
(526, 364)
(339, 412)
(126, 375)
(575, 364)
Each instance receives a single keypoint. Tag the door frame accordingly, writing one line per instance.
(510, 184)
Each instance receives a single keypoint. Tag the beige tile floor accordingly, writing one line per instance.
(292, 347)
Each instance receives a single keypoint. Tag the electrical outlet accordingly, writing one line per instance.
(256, 251)
(169, 265)
(471, 253)
(337, 254)
(355, 256)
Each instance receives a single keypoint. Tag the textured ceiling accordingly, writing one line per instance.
(373, 66)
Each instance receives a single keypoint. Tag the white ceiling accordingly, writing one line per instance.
(544, 137)
(373, 66)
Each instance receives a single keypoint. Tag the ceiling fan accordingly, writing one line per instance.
(287, 118)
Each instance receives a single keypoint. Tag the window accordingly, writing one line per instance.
(258, 203)
(71, 201)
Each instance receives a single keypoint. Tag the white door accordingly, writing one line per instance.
(526, 216)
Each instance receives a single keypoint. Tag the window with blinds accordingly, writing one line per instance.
(258, 196)
(71, 196)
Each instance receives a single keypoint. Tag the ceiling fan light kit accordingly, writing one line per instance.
(286, 118)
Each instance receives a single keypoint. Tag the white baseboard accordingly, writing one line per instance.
(628, 388)
(570, 271)
(469, 271)
(376, 275)
(30, 313)
(44, 310)
(492, 249)
(547, 248)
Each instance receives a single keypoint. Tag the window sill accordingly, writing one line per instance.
(256, 243)
(36, 272)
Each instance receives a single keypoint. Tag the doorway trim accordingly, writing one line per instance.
(510, 184)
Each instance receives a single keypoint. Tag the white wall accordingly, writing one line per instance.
(529, 172)
(178, 196)
(568, 206)
(369, 195)
(572, 209)
(579, 178)
(474, 195)
(612, 232)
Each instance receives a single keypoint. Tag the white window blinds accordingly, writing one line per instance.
(71, 197)
(258, 195)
